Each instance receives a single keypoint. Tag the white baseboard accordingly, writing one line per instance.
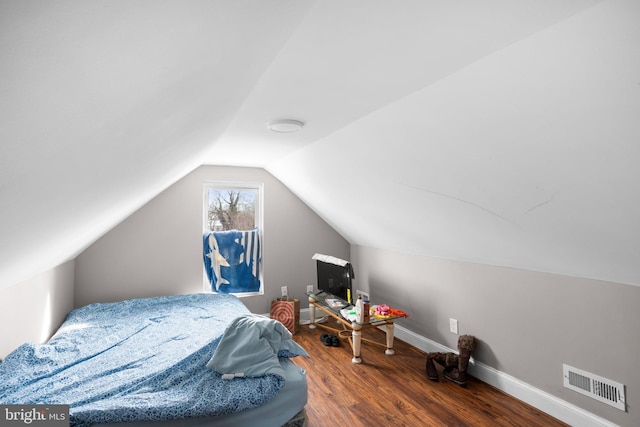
(537, 398)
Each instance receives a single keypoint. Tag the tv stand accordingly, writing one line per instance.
(351, 330)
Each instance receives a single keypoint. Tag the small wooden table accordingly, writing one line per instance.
(350, 329)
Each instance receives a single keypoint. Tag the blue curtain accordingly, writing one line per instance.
(232, 260)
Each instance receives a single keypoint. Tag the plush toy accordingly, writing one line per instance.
(455, 365)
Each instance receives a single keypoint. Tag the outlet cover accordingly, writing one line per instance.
(285, 291)
(309, 288)
(453, 326)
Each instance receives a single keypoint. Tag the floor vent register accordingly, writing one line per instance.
(594, 386)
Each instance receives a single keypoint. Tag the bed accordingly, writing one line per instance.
(187, 360)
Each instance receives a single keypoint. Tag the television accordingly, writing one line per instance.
(334, 276)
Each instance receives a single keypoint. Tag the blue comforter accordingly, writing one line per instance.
(142, 359)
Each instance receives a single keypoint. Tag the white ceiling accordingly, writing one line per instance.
(502, 132)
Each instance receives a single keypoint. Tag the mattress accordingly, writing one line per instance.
(291, 399)
(151, 360)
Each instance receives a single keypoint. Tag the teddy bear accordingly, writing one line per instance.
(455, 365)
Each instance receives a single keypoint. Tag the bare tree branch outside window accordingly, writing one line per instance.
(232, 209)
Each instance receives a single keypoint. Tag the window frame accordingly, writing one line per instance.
(259, 223)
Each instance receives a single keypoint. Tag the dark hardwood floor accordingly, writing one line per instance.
(394, 390)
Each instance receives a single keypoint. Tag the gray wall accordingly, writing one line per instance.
(32, 310)
(528, 323)
(158, 249)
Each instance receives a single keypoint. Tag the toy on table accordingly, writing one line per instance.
(383, 311)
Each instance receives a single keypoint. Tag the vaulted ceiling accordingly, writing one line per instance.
(498, 131)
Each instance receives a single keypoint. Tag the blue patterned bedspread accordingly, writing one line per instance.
(142, 359)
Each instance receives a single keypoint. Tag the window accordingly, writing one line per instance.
(232, 242)
(231, 208)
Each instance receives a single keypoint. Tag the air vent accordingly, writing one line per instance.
(594, 386)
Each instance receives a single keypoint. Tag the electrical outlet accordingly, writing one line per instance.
(309, 288)
(453, 326)
(285, 291)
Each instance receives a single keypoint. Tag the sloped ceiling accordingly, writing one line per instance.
(501, 132)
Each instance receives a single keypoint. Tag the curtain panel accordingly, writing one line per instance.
(232, 260)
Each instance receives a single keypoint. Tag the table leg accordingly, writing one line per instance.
(389, 351)
(356, 334)
(312, 314)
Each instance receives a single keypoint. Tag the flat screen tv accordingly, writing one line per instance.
(334, 276)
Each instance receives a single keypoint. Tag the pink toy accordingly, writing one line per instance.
(383, 310)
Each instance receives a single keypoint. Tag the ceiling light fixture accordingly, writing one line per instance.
(285, 125)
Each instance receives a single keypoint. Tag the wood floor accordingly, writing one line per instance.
(394, 390)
